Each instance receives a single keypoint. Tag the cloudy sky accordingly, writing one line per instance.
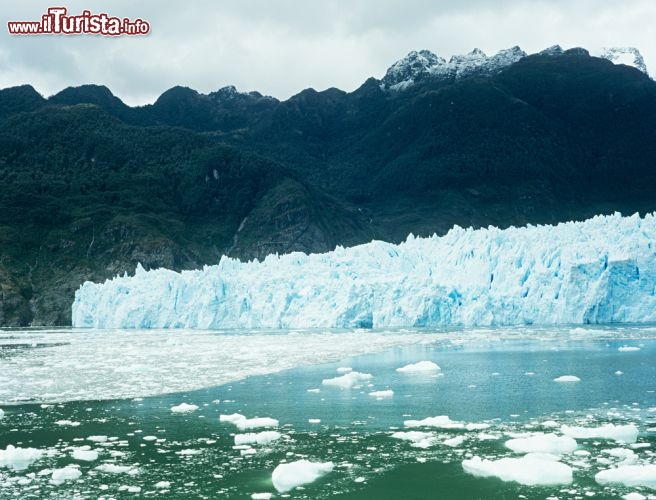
(280, 47)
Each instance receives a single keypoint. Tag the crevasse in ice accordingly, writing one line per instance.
(601, 270)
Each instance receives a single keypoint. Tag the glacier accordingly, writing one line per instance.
(602, 270)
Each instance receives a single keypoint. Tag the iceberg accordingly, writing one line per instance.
(602, 270)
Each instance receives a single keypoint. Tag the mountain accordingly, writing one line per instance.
(91, 186)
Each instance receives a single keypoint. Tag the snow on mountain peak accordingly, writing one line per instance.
(424, 64)
(629, 56)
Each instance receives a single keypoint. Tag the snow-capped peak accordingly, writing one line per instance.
(629, 56)
(419, 65)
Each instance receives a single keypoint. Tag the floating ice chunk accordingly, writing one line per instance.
(625, 433)
(255, 423)
(68, 473)
(232, 418)
(118, 469)
(550, 424)
(244, 423)
(619, 372)
(149, 438)
(529, 470)
(348, 380)
(634, 496)
(454, 442)
(417, 438)
(261, 496)
(97, 439)
(441, 422)
(84, 455)
(2, 413)
(628, 348)
(542, 443)
(420, 367)
(163, 485)
(183, 408)
(67, 423)
(314, 420)
(567, 378)
(19, 458)
(314, 390)
(629, 475)
(382, 394)
(477, 427)
(629, 457)
(189, 451)
(264, 437)
(344, 369)
(286, 477)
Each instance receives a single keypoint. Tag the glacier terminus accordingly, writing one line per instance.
(602, 270)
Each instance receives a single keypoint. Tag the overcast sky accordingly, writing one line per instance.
(280, 47)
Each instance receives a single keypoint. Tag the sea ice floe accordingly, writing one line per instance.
(97, 439)
(628, 348)
(420, 367)
(163, 485)
(118, 469)
(189, 452)
(417, 438)
(67, 423)
(19, 458)
(441, 422)
(85, 455)
(264, 437)
(542, 443)
(314, 420)
(244, 423)
(348, 380)
(567, 378)
(261, 496)
(2, 413)
(454, 442)
(68, 473)
(382, 394)
(344, 369)
(634, 496)
(624, 433)
(183, 408)
(629, 475)
(477, 426)
(530, 470)
(288, 476)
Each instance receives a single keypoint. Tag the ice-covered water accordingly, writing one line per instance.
(492, 410)
(602, 270)
(65, 365)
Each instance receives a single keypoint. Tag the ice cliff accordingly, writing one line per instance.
(601, 270)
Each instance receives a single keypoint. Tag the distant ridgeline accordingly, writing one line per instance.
(602, 270)
(91, 187)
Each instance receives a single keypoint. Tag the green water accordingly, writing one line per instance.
(508, 385)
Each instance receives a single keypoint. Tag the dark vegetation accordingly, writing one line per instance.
(91, 186)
